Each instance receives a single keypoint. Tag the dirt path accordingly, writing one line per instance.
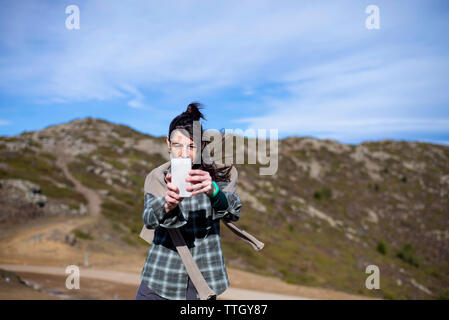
(20, 252)
(134, 279)
(93, 198)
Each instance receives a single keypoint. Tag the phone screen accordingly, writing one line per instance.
(180, 168)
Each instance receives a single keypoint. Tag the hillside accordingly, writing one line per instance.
(331, 209)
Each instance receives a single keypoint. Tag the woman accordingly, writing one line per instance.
(197, 217)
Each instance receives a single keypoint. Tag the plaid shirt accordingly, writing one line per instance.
(199, 223)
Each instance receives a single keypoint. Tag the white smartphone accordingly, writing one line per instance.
(180, 168)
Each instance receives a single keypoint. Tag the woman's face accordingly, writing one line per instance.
(181, 146)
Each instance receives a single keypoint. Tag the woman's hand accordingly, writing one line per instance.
(172, 197)
(202, 182)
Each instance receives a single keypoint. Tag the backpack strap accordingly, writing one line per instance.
(203, 289)
(245, 236)
(148, 235)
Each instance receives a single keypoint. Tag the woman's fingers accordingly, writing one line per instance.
(172, 202)
(169, 199)
(195, 187)
(196, 178)
(173, 198)
(198, 172)
(205, 190)
(172, 187)
(201, 182)
(174, 195)
(199, 188)
(198, 175)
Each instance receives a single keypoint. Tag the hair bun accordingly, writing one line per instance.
(194, 112)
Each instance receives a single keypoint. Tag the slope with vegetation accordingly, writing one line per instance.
(329, 211)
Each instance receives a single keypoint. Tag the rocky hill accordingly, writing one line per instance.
(329, 211)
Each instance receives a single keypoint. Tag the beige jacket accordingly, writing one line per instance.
(155, 184)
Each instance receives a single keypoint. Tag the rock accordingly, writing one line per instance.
(104, 192)
(414, 166)
(23, 185)
(316, 144)
(315, 213)
(83, 209)
(372, 216)
(41, 202)
(421, 287)
(315, 169)
(24, 190)
(98, 170)
(247, 197)
(107, 166)
(70, 239)
(124, 173)
(445, 179)
(151, 146)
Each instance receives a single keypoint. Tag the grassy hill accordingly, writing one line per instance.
(329, 211)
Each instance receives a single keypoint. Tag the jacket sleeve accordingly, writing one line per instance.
(234, 204)
(154, 214)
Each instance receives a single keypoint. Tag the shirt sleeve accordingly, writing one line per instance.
(219, 202)
(234, 204)
(154, 214)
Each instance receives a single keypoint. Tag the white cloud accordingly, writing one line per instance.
(194, 47)
(334, 76)
(361, 95)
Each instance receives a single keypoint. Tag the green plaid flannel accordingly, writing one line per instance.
(199, 224)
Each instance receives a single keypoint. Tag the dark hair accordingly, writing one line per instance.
(185, 121)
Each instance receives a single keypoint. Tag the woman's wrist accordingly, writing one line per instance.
(214, 190)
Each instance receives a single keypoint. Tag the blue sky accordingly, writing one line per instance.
(306, 68)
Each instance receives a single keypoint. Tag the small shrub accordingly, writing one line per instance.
(444, 295)
(407, 254)
(323, 193)
(48, 155)
(381, 248)
(388, 296)
(81, 235)
(435, 274)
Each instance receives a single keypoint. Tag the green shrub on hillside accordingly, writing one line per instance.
(82, 235)
(408, 255)
(381, 248)
(323, 193)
